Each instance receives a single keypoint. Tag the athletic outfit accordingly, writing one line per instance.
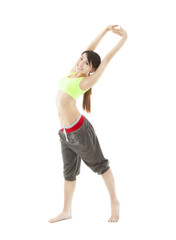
(79, 140)
(71, 86)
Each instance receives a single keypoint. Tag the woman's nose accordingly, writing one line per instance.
(81, 64)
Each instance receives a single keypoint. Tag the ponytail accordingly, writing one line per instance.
(95, 59)
(86, 100)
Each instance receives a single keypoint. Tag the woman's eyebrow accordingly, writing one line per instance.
(85, 58)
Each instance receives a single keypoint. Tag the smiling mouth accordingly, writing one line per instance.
(80, 68)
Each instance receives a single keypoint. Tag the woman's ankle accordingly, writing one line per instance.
(67, 210)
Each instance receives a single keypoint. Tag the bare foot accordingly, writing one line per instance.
(61, 216)
(115, 205)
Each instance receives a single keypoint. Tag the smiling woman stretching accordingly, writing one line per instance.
(77, 135)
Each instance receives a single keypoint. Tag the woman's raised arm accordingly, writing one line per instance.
(93, 79)
(96, 41)
(114, 50)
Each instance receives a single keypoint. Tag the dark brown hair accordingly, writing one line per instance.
(95, 59)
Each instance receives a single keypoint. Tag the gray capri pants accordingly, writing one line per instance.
(79, 141)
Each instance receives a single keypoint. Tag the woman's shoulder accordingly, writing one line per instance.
(71, 73)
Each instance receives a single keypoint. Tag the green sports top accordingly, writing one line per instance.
(71, 86)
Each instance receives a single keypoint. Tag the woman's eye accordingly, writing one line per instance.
(82, 59)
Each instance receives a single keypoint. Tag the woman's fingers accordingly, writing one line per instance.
(115, 31)
(114, 27)
(111, 27)
(118, 31)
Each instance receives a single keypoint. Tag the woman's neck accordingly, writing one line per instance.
(77, 75)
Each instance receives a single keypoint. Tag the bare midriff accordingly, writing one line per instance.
(66, 107)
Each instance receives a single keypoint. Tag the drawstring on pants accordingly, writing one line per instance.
(65, 132)
(73, 124)
(66, 135)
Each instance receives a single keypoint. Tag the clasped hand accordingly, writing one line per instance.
(119, 31)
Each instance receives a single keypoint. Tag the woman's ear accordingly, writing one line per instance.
(93, 70)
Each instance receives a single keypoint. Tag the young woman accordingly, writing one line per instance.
(77, 135)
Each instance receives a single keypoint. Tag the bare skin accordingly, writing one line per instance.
(69, 188)
(115, 204)
(68, 113)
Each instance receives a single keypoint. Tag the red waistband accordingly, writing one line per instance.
(76, 126)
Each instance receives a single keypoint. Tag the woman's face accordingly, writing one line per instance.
(83, 65)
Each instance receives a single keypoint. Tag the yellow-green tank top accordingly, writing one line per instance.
(71, 86)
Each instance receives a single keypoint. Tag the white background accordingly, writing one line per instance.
(133, 113)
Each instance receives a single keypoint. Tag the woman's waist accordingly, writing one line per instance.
(66, 105)
(75, 124)
(72, 127)
(68, 116)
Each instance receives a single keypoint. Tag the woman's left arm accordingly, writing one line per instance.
(95, 42)
(114, 50)
(93, 79)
